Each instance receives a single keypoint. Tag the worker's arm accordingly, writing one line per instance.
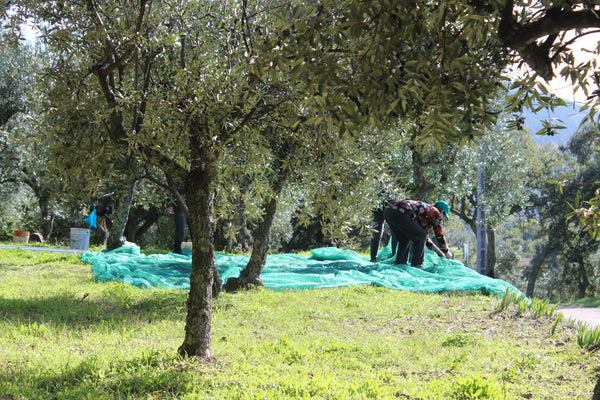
(439, 236)
(448, 254)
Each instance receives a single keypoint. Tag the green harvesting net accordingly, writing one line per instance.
(326, 267)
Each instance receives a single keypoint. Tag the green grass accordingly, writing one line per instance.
(63, 336)
(587, 302)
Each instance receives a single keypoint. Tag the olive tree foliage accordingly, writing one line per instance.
(343, 187)
(82, 161)
(565, 238)
(542, 36)
(436, 64)
(17, 73)
(14, 69)
(328, 172)
(179, 88)
(453, 54)
(551, 165)
(503, 158)
(24, 160)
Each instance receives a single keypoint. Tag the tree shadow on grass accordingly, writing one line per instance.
(150, 373)
(85, 311)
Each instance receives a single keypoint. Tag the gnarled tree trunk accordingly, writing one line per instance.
(250, 275)
(199, 196)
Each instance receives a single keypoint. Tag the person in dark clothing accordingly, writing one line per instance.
(410, 221)
(378, 224)
(378, 230)
(377, 227)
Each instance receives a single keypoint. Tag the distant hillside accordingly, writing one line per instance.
(569, 116)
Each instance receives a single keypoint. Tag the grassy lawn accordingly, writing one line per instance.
(587, 302)
(64, 336)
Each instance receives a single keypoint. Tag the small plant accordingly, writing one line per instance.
(458, 360)
(556, 322)
(538, 308)
(459, 340)
(588, 338)
(511, 297)
(474, 388)
(527, 362)
(541, 308)
(511, 375)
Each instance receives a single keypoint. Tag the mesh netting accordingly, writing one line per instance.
(326, 267)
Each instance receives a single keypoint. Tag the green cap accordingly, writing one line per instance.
(443, 206)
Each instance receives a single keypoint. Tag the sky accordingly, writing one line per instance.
(558, 85)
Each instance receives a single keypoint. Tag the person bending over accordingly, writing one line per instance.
(410, 221)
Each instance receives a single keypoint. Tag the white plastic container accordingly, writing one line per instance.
(80, 238)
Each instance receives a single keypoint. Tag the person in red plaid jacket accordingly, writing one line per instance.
(410, 221)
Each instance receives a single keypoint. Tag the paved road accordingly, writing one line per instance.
(46, 249)
(587, 315)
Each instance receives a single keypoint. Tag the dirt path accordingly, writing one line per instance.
(586, 315)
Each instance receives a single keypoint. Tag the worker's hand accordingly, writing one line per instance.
(169, 210)
(449, 255)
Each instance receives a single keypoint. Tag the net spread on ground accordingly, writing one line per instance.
(325, 267)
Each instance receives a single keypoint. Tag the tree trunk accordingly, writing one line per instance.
(200, 220)
(43, 199)
(199, 304)
(48, 226)
(124, 197)
(223, 240)
(250, 275)
(46, 216)
(534, 269)
(421, 187)
(73, 218)
(140, 221)
(583, 282)
(244, 237)
(102, 231)
(491, 252)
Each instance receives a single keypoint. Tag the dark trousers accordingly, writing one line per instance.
(406, 232)
(377, 226)
(180, 223)
(377, 235)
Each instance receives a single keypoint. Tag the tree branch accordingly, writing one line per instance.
(522, 37)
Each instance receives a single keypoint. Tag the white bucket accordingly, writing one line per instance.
(80, 238)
